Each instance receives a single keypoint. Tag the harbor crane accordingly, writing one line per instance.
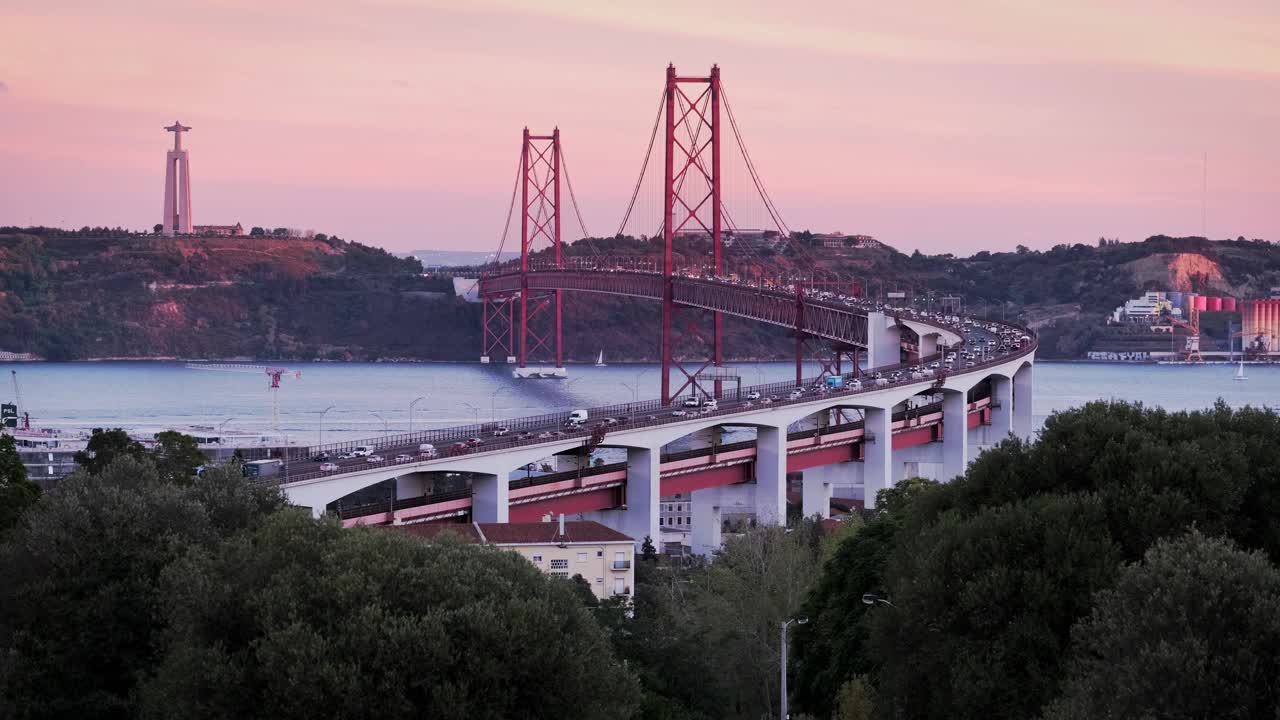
(274, 374)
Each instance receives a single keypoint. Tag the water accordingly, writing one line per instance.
(368, 399)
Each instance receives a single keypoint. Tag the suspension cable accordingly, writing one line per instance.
(573, 200)
(644, 166)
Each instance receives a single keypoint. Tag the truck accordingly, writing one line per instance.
(262, 468)
(835, 382)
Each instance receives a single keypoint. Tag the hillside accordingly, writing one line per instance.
(100, 293)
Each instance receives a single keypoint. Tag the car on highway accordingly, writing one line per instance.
(320, 457)
(363, 451)
(544, 435)
(475, 442)
(427, 450)
(611, 421)
(499, 432)
(753, 395)
(348, 456)
(404, 457)
(678, 413)
(374, 459)
(328, 467)
(797, 394)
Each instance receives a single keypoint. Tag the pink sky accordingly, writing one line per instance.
(944, 126)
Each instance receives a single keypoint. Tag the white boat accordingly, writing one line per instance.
(600, 360)
(1240, 372)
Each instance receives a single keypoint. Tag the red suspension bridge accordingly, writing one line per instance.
(523, 300)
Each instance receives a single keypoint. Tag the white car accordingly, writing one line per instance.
(374, 459)
(404, 458)
(797, 394)
(753, 395)
(499, 432)
(328, 467)
(678, 413)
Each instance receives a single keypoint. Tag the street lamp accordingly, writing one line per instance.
(474, 410)
(415, 402)
(493, 399)
(873, 598)
(786, 624)
(222, 425)
(322, 412)
(385, 430)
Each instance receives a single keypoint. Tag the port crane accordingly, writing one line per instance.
(17, 400)
(1191, 352)
(274, 375)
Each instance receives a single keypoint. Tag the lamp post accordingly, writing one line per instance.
(873, 598)
(322, 412)
(475, 410)
(385, 430)
(222, 425)
(415, 402)
(786, 624)
(493, 399)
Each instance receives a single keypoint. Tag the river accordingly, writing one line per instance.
(368, 399)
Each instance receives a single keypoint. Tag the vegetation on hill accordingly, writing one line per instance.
(106, 293)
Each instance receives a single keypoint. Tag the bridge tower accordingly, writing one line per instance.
(526, 325)
(691, 205)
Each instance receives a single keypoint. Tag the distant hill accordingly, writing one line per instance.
(101, 293)
(449, 258)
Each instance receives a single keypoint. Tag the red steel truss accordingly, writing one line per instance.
(499, 325)
(540, 311)
(691, 203)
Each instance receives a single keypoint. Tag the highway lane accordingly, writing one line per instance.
(550, 428)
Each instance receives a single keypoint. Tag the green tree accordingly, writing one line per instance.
(1191, 632)
(105, 446)
(81, 601)
(17, 493)
(177, 456)
(157, 228)
(856, 700)
(983, 606)
(647, 552)
(582, 587)
(303, 619)
(256, 231)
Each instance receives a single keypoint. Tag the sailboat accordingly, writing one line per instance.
(600, 360)
(1240, 371)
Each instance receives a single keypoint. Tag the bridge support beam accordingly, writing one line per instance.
(928, 345)
(1022, 396)
(884, 341)
(816, 486)
(771, 475)
(643, 496)
(704, 515)
(1001, 410)
(877, 458)
(490, 498)
(955, 435)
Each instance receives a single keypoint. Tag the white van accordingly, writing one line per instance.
(577, 417)
(363, 451)
(427, 450)
(710, 405)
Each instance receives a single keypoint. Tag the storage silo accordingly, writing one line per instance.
(1213, 304)
(1228, 304)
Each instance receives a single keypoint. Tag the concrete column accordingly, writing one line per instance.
(884, 342)
(1022, 397)
(816, 485)
(704, 508)
(955, 434)
(490, 498)
(1001, 409)
(643, 496)
(877, 460)
(771, 476)
(928, 345)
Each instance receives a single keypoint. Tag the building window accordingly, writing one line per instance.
(619, 586)
(537, 559)
(662, 521)
(560, 574)
(560, 564)
(599, 553)
(582, 557)
(599, 581)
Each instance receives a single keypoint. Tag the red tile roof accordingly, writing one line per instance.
(546, 533)
(580, 531)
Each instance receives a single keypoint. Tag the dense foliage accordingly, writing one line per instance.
(17, 493)
(993, 577)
